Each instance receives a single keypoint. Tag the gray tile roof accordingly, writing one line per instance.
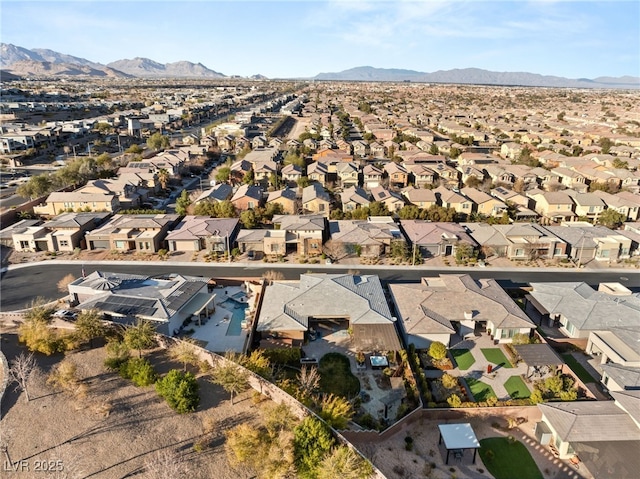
(586, 308)
(590, 421)
(430, 306)
(625, 377)
(288, 305)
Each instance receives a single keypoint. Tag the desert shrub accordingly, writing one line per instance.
(139, 371)
(408, 443)
(449, 381)
(283, 356)
(38, 337)
(180, 390)
(117, 354)
(437, 350)
(454, 400)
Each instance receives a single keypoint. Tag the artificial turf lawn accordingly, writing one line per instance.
(464, 358)
(336, 376)
(517, 388)
(481, 391)
(496, 356)
(578, 368)
(510, 459)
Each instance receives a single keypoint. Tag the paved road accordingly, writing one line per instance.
(19, 286)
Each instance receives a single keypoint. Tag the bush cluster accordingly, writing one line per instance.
(139, 371)
(180, 390)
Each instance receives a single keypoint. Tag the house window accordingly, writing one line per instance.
(251, 205)
(321, 207)
(64, 243)
(519, 252)
(557, 251)
(314, 245)
(24, 244)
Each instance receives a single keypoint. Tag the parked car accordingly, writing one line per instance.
(65, 314)
(251, 254)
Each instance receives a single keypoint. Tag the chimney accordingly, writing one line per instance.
(468, 315)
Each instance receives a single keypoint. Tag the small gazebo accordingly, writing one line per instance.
(457, 438)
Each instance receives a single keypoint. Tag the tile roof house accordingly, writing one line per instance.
(319, 172)
(371, 177)
(141, 233)
(353, 198)
(555, 206)
(604, 434)
(286, 198)
(625, 204)
(291, 174)
(423, 198)
(219, 193)
(197, 233)
(373, 235)
(305, 234)
(608, 318)
(65, 201)
(291, 308)
(517, 241)
(316, 200)
(348, 174)
(421, 175)
(167, 301)
(434, 238)
(392, 200)
(586, 242)
(247, 197)
(452, 199)
(65, 232)
(588, 205)
(483, 203)
(439, 307)
(397, 174)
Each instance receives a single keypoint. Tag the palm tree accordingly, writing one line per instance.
(163, 177)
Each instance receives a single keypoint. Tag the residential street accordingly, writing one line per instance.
(22, 283)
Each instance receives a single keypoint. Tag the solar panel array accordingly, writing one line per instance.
(128, 306)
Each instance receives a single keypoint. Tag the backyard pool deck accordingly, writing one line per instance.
(221, 332)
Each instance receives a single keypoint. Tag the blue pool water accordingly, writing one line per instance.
(237, 316)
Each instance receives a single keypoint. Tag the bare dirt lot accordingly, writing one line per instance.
(117, 428)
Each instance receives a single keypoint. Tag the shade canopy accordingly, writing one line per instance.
(458, 436)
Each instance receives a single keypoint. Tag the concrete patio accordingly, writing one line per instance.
(499, 374)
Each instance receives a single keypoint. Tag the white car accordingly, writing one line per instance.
(65, 314)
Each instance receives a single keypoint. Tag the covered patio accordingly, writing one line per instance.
(458, 438)
(540, 357)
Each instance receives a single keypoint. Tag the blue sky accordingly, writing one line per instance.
(302, 38)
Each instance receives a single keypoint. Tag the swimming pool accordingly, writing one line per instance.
(237, 316)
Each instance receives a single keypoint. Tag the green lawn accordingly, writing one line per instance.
(508, 460)
(517, 388)
(336, 376)
(481, 391)
(496, 356)
(463, 358)
(578, 368)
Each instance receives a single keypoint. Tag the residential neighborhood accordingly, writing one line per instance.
(449, 190)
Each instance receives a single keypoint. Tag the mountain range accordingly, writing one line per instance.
(21, 61)
(477, 76)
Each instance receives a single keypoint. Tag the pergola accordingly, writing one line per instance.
(537, 355)
(457, 438)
